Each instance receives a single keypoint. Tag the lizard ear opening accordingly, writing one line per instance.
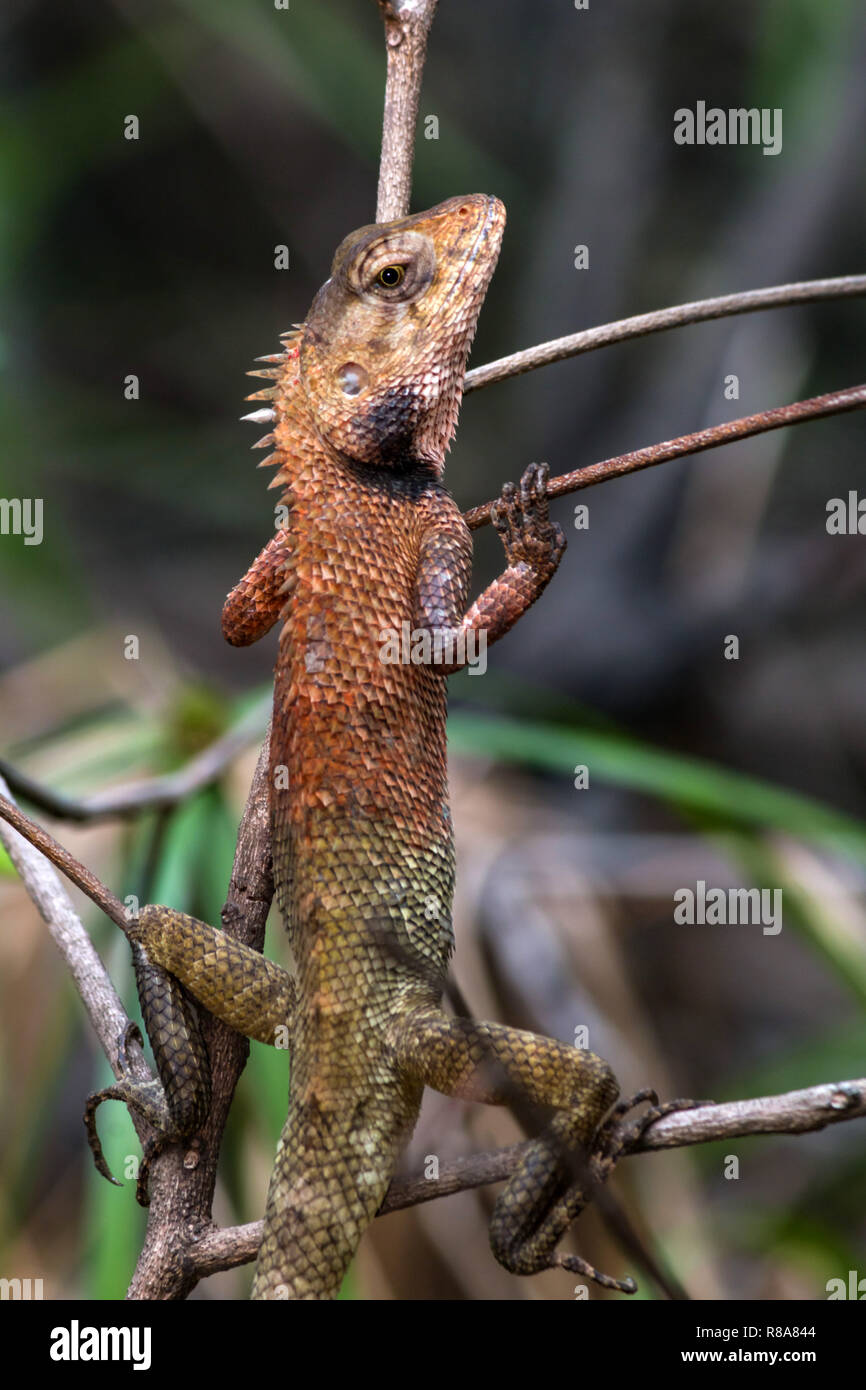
(352, 378)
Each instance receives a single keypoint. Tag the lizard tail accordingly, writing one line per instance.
(331, 1173)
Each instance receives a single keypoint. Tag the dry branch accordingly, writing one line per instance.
(833, 403)
(182, 1181)
(794, 1112)
(151, 793)
(31, 857)
(699, 310)
(407, 25)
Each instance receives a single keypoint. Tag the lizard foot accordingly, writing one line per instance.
(575, 1265)
(147, 1099)
(522, 521)
(566, 1176)
(615, 1140)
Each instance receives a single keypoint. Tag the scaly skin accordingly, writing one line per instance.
(364, 404)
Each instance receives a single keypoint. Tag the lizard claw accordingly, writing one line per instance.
(131, 1034)
(615, 1140)
(575, 1265)
(147, 1099)
(93, 1139)
(151, 1150)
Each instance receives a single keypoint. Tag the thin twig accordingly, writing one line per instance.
(186, 1179)
(74, 870)
(407, 25)
(746, 302)
(834, 403)
(152, 793)
(30, 853)
(182, 1178)
(794, 1112)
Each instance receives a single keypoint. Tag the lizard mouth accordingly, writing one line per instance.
(490, 229)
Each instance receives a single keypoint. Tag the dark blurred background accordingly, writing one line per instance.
(155, 257)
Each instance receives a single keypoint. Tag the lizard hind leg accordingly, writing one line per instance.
(557, 1174)
(179, 961)
(176, 1104)
(236, 984)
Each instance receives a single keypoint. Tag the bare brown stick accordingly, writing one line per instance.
(181, 1179)
(30, 856)
(74, 870)
(407, 25)
(794, 1112)
(834, 403)
(723, 306)
(182, 1182)
(150, 794)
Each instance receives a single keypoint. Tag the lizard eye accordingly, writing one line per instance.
(390, 276)
(391, 270)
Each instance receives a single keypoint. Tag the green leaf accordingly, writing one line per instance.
(690, 783)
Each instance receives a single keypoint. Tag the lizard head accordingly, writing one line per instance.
(383, 349)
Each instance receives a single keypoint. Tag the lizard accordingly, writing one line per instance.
(364, 402)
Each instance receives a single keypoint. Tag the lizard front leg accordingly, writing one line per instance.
(533, 545)
(254, 604)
